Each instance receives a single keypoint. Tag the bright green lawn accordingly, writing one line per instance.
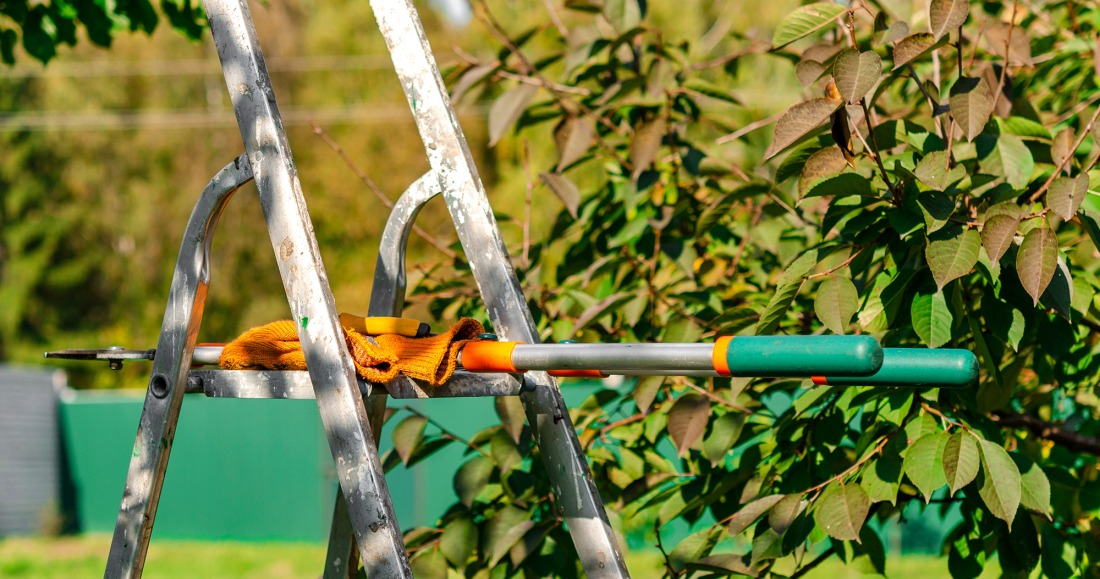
(84, 556)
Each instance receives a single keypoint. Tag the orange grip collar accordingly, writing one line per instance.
(719, 356)
(820, 380)
(489, 356)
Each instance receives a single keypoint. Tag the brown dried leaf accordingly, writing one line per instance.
(687, 420)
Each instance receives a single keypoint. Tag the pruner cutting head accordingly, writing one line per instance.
(115, 355)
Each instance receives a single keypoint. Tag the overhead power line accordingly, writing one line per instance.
(202, 119)
(192, 67)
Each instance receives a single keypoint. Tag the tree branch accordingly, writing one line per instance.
(1048, 431)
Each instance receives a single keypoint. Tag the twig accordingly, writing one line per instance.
(874, 150)
(527, 205)
(878, 448)
(1008, 60)
(555, 19)
(716, 398)
(1062, 165)
(843, 265)
(749, 128)
(944, 417)
(668, 562)
(446, 433)
(812, 564)
(317, 130)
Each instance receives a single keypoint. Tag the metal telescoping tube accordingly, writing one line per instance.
(206, 355)
(915, 367)
(612, 357)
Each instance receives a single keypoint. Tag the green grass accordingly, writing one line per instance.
(84, 556)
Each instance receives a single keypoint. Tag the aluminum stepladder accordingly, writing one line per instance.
(364, 525)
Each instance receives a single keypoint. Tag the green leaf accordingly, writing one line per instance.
(573, 137)
(952, 252)
(836, 302)
(842, 185)
(1066, 195)
(1024, 128)
(935, 171)
(766, 546)
(646, 390)
(947, 15)
(472, 477)
(687, 420)
(842, 510)
(694, 547)
(1034, 486)
(805, 21)
(936, 208)
(724, 431)
(646, 143)
(911, 47)
(923, 463)
(565, 189)
(429, 563)
(407, 435)
(997, 235)
(1006, 156)
(512, 418)
(506, 110)
(799, 121)
(823, 164)
(459, 541)
(856, 73)
(784, 512)
(932, 319)
(504, 530)
(960, 460)
(1059, 293)
(971, 105)
(1001, 485)
(1037, 260)
(750, 512)
(882, 477)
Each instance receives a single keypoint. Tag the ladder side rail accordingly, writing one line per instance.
(451, 161)
(160, 413)
(311, 302)
(387, 298)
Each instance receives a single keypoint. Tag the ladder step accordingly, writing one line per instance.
(296, 385)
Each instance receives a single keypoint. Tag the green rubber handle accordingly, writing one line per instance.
(915, 367)
(782, 356)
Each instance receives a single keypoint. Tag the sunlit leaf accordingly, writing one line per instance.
(506, 528)
(836, 302)
(947, 15)
(750, 512)
(805, 21)
(1001, 485)
(1034, 486)
(407, 434)
(952, 252)
(784, 512)
(841, 511)
(472, 477)
(935, 170)
(1036, 261)
(687, 420)
(646, 143)
(882, 477)
(724, 431)
(1061, 148)
(507, 109)
(1066, 195)
(856, 73)
(459, 541)
(808, 71)
(799, 121)
(971, 105)
(923, 463)
(997, 235)
(1006, 156)
(820, 165)
(932, 318)
(565, 189)
(911, 47)
(573, 137)
(960, 460)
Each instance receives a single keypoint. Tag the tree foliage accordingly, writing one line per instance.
(931, 188)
